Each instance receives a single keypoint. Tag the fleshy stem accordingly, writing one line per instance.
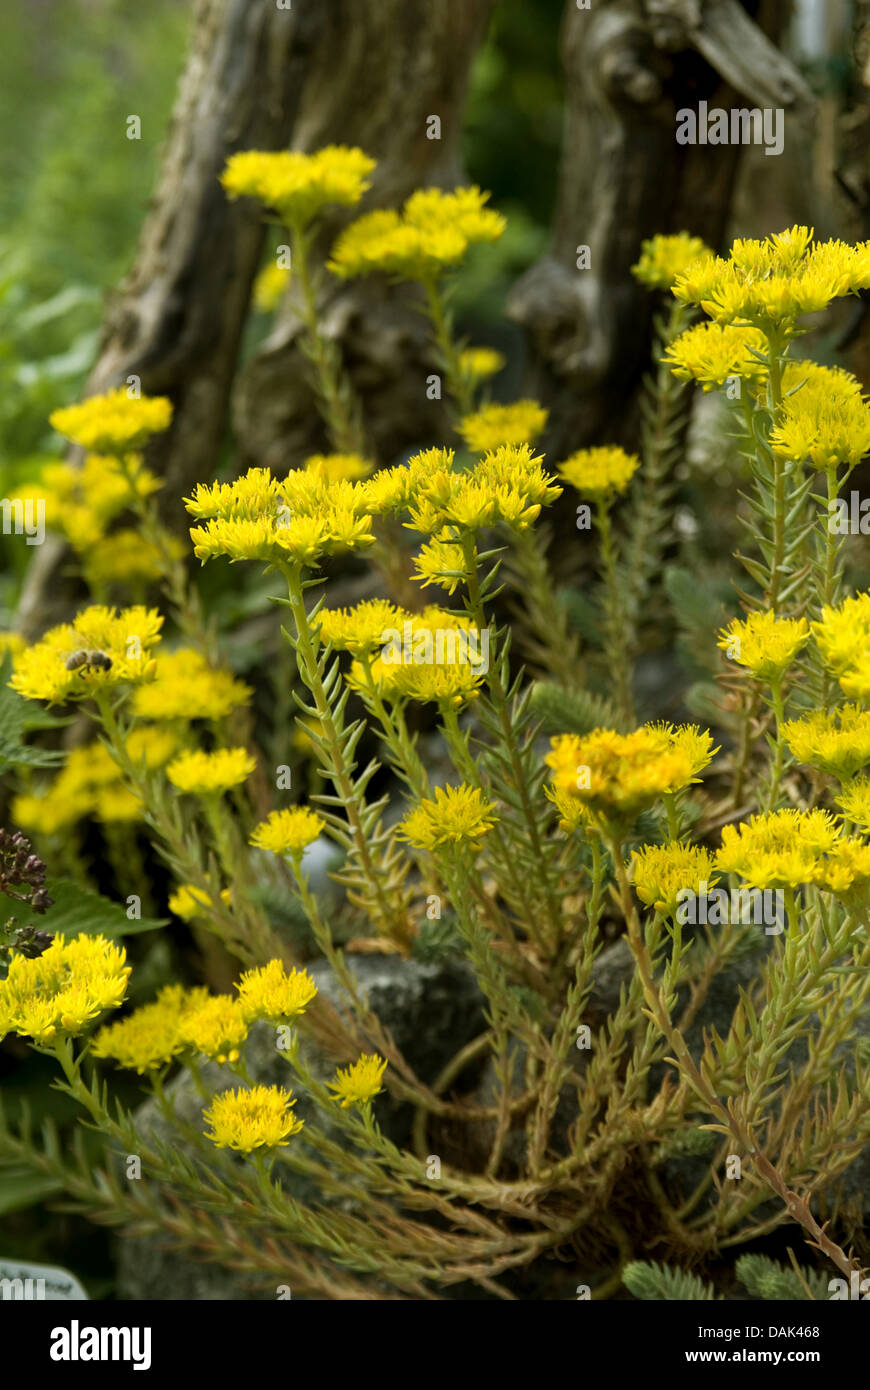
(337, 403)
(614, 617)
(499, 699)
(459, 385)
(387, 914)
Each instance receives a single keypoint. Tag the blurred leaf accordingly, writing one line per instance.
(79, 911)
(24, 1189)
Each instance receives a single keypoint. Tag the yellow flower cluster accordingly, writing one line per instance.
(359, 629)
(274, 993)
(661, 872)
(126, 557)
(114, 423)
(494, 425)
(779, 850)
(337, 468)
(360, 1082)
(210, 774)
(215, 1026)
(150, 1037)
(430, 656)
(478, 363)
(90, 784)
(184, 686)
(289, 831)
(771, 283)
(765, 644)
(615, 776)
(663, 258)
(102, 647)
(599, 472)
(837, 742)
(825, 421)
(508, 485)
(298, 186)
(854, 801)
(192, 1020)
(189, 902)
(842, 635)
(429, 236)
(710, 353)
(64, 989)
(270, 285)
(80, 502)
(845, 871)
(453, 815)
(298, 520)
(254, 1118)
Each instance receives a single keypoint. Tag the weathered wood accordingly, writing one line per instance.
(629, 68)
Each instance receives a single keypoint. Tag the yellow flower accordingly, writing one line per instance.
(81, 501)
(360, 1082)
(765, 644)
(298, 186)
(711, 353)
(440, 562)
(259, 1117)
(854, 800)
(64, 989)
(824, 423)
(359, 629)
(694, 744)
(300, 519)
(11, 643)
(151, 1036)
(247, 498)
(600, 472)
(432, 655)
(430, 235)
(102, 647)
(270, 285)
(663, 258)
(273, 993)
(114, 423)
(391, 490)
(661, 872)
(188, 902)
(508, 485)
(289, 831)
(124, 557)
(837, 742)
(186, 687)
(617, 775)
(117, 805)
(846, 870)
(842, 635)
(478, 363)
(455, 814)
(335, 468)
(209, 774)
(777, 850)
(216, 1027)
(771, 283)
(494, 425)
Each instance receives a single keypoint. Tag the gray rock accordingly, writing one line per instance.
(431, 1009)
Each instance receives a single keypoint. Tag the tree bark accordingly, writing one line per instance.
(629, 69)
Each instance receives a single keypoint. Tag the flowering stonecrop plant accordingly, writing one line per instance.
(537, 854)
